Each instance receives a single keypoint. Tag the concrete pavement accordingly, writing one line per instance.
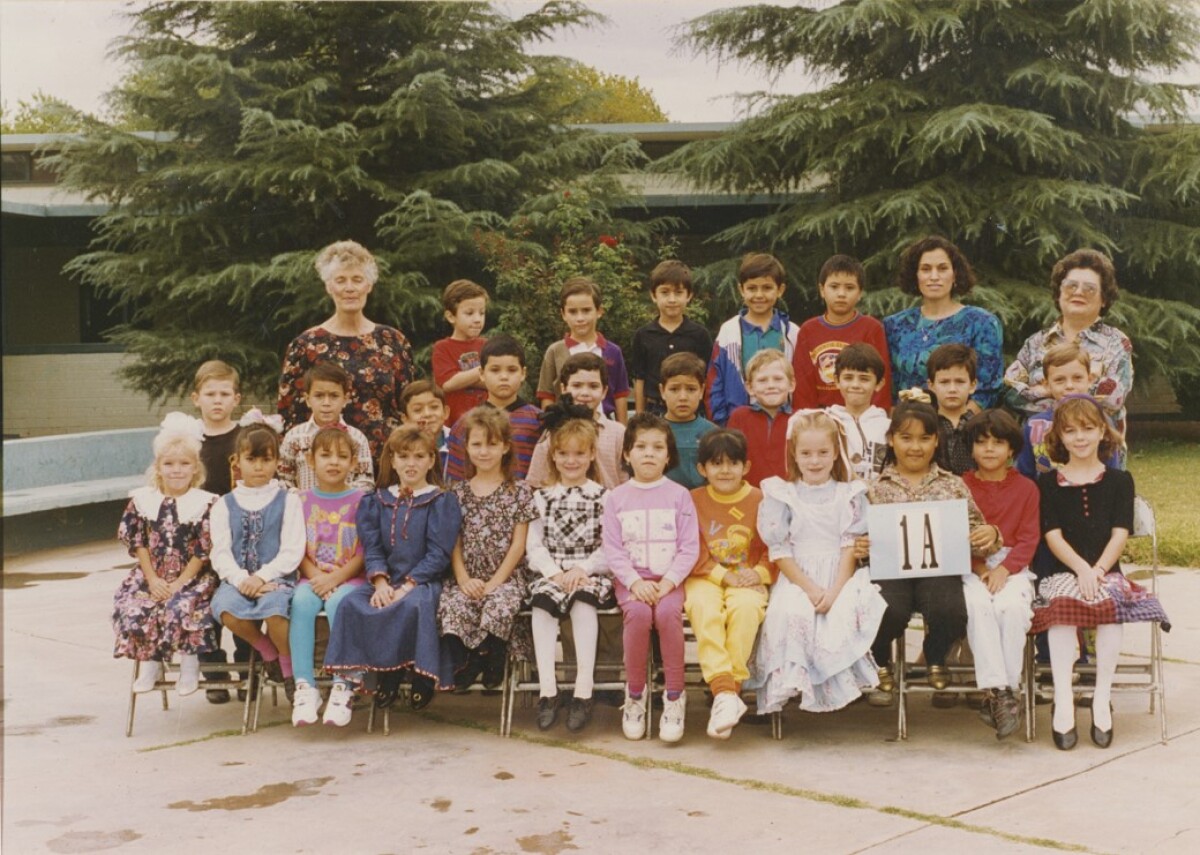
(445, 781)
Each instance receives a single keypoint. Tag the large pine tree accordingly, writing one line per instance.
(285, 126)
(1017, 128)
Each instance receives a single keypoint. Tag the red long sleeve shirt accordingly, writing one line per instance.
(1012, 505)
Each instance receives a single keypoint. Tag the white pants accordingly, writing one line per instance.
(996, 628)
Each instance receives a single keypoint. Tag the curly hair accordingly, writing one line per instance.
(1087, 259)
(1080, 411)
(910, 260)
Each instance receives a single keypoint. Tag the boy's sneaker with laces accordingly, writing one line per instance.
(1006, 712)
(337, 709)
(670, 724)
(633, 716)
(727, 711)
(306, 708)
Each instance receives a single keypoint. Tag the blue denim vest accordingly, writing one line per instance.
(255, 534)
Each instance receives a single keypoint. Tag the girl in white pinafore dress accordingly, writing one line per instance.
(823, 615)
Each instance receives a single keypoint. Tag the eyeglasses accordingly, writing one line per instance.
(1087, 289)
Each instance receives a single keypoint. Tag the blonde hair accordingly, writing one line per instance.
(766, 357)
(175, 442)
(817, 421)
(573, 430)
(494, 424)
(346, 252)
(405, 438)
(215, 369)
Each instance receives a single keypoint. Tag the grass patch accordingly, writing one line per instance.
(1167, 473)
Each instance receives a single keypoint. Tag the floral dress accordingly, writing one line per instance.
(380, 365)
(487, 530)
(174, 531)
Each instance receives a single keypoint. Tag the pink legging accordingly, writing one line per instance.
(667, 618)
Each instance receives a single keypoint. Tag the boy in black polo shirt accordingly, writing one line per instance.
(670, 333)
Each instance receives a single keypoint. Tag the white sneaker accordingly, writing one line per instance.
(149, 673)
(727, 711)
(670, 725)
(306, 705)
(337, 709)
(189, 674)
(633, 715)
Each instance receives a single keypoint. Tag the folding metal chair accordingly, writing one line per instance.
(164, 686)
(1144, 676)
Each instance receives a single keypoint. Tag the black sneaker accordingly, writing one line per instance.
(217, 696)
(579, 714)
(289, 688)
(547, 712)
(987, 713)
(493, 665)
(387, 688)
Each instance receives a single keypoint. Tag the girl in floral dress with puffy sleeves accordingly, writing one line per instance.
(162, 606)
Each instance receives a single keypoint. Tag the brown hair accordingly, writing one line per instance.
(494, 424)
(1087, 259)
(860, 356)
(257, 440)
(420, 387)
(1065, 354)
(331, 437)
(759, 264)
(997, 424)
(577, 362)
(818, 421)
(641, 423)
(671, 272)
(215, 369)
(405, 438)
(950, 356)
(578, 285)
(1080, 410)
(458, 291)
(910, 260)
(683, 365)
(328, 372)
(843, 264)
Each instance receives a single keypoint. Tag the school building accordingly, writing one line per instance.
(61, 376)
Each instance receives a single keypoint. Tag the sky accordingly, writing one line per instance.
(60, 46)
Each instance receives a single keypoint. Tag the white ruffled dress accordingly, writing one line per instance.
(825, 659)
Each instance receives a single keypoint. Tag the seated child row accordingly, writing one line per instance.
(426, 583)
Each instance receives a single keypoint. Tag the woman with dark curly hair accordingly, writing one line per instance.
(1084, 285)
(378, 357)
(940, 274)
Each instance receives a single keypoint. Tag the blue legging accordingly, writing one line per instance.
(303, 628)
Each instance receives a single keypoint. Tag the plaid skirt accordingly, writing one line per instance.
(1059, 603)
(546, 595)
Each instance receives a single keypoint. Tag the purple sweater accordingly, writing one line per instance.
(650, 531)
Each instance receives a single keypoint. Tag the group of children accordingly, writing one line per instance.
(753, 524)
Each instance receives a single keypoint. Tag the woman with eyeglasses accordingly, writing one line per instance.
(1084, 284)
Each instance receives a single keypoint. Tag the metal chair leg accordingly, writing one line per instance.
(901, 685)
(251, 679)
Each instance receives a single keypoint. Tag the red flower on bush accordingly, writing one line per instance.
(609, 241)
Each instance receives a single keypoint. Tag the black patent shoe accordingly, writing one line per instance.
(387, 689)
(420, 693)
(1063, 741)
(1102, 738)
(547, 712)
(579, 714)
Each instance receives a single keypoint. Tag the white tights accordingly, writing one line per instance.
(585, 625)
(1063, 653)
